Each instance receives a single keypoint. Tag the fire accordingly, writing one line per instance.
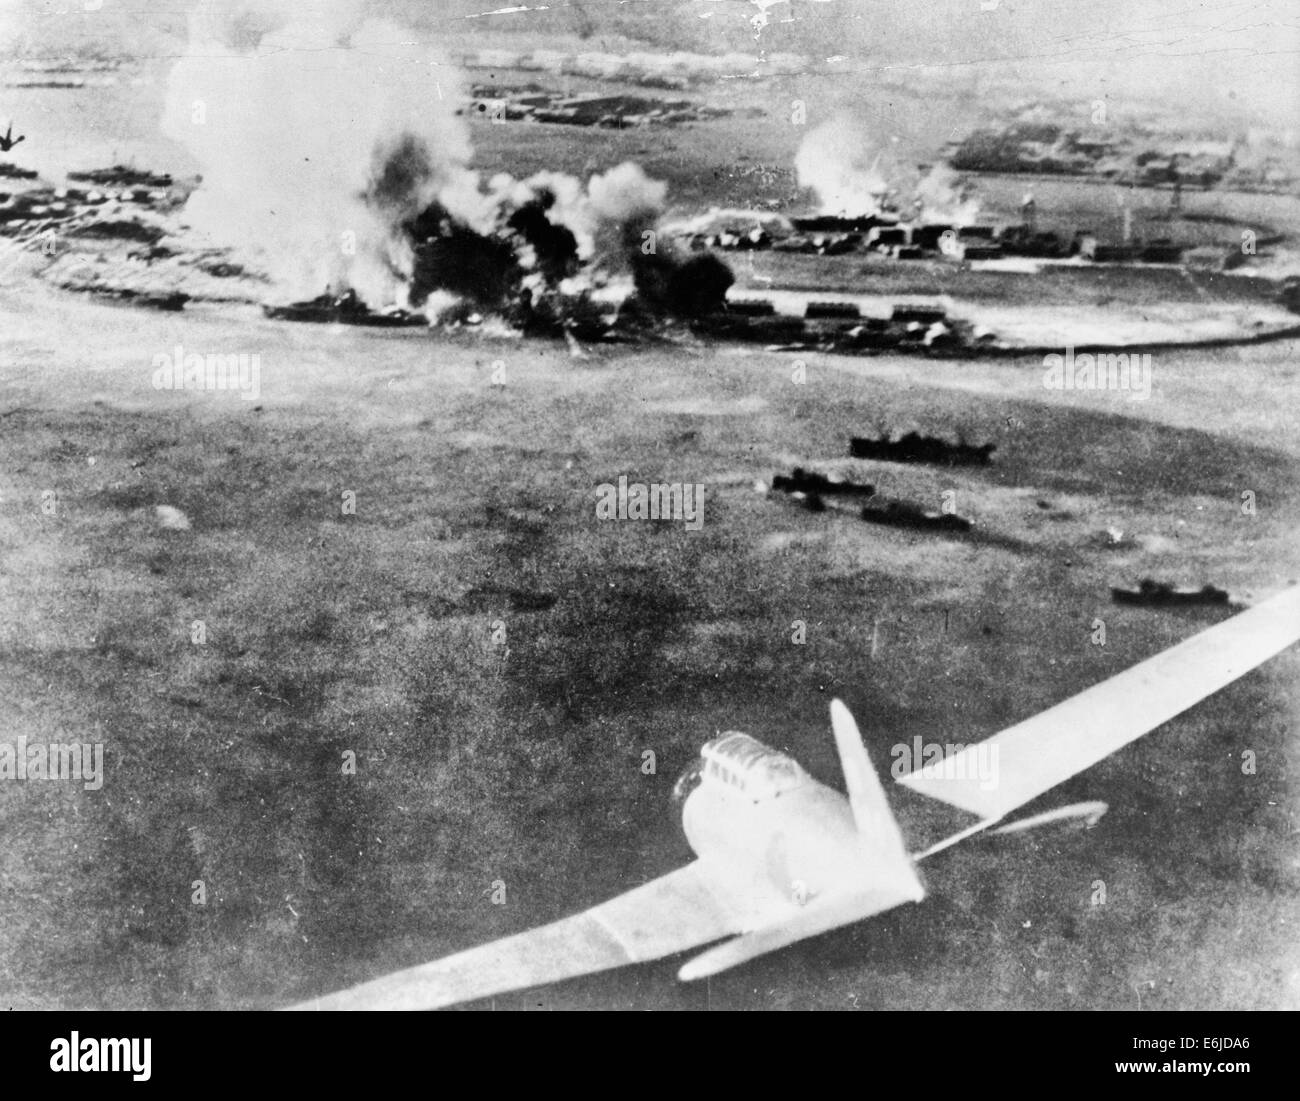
(331, 151)
(286, 113)
(855, 175)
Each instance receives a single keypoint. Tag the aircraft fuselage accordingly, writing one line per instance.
(800, 844)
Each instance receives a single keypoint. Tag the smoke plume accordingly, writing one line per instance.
(330, 149)
(317, 134)
(844, 167)
(854, 175)
(941, 197)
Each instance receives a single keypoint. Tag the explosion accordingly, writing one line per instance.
(331, 150)
(941, 197)
(543, 235)
(315, 135)
(854, 176)
(839, 163)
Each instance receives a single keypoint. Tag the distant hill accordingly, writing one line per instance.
(1216, 60)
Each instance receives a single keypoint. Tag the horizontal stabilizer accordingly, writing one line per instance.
(1089, 813)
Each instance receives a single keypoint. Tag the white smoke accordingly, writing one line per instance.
(941, 197)
(599, 215)
(844, 168)
(289, 113)
(322, 136)
(855, 175)
(624, 204)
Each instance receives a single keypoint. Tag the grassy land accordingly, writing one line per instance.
(519, 760)
(477, 762)
(1072, 286)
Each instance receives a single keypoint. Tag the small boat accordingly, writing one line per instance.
(1160, 594)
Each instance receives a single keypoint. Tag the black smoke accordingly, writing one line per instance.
(449, 256)
(555, 246)
(514, 263)
(669, 287)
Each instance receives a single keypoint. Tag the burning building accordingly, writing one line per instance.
(339, 161)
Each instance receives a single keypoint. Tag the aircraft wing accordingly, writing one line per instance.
(683, 909)
(820, 916)
(1039, 753)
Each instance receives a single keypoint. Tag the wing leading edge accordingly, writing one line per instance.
(1041, 752)
(681, 910)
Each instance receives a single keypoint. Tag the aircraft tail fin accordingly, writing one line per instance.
(871, 813)
(888, 874)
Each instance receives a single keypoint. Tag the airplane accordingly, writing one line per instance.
(9, 141)
(781, 857)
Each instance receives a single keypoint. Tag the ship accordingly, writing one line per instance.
(345, 309)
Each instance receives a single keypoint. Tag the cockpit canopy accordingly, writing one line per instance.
(747, 764)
